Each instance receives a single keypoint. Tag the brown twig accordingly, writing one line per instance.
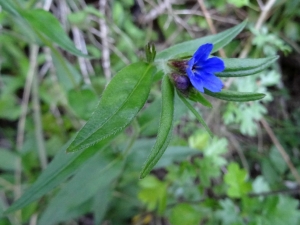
(39, 136)
(281, 150)
(156, 11)
(80, 44)
(22, 120)
(210, 24)
(105, 43)
(261, 19)
(238, 149)
(213, 17)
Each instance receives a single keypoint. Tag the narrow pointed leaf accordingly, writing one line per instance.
(68, 76)
(84, 185)
(123, 98)
(236, 96)
(196, 96)
(245, 67)
(10, 7)
(62, 167)
(47, 24)
(24, 29)
(219, 40)
(197, 115)
(165, 127)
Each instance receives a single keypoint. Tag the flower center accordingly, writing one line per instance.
(196, 67)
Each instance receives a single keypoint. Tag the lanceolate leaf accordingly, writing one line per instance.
(68, 76)
(165, 127)
(236, 96)
(45, 23)
(61, 168)
(245, 67)
(197, 115)
(189, 47)
(196, 96)
(25, 30)
(10, 7)
(84, 185)
(123, 98)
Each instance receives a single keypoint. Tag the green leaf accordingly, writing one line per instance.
(68, 76)
(199, 140)
(215, 149)
(208, 169)
(153, 193)
(245, 115)
(175, 154)
(229, 214)
(10, 7)
(102, 201)
(15, 16)
(197, 115)
(245, 67)
(8, 159)
(83, 102)
(278, 162)
(123, 98)
(45, 23)
(196, 96)
(239, 3)
(84, 185)
(184, 214)
(280, 210)
(236, 178)
(235, 96)
(189, 47)
(260, 185)
(148, 119)
(9, 107)
(165, 127)
(172, 154)
(62, 167)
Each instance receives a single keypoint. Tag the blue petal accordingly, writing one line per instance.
(202, 53)
(210, 81)
(189, 72)
(196, 81)
(191, 62)
(213, 65)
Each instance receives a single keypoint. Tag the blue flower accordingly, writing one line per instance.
(201, 70)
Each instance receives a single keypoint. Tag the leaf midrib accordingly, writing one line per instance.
(118, 109)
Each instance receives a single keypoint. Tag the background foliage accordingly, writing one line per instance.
(54, 67)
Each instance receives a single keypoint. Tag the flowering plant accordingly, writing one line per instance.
(182, 74)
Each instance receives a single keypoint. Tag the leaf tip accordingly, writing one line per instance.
(144, 173)
(72, 148)
(261, 96)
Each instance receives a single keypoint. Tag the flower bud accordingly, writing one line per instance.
(181, 82)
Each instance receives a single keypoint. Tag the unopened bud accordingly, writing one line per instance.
(181, 82)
